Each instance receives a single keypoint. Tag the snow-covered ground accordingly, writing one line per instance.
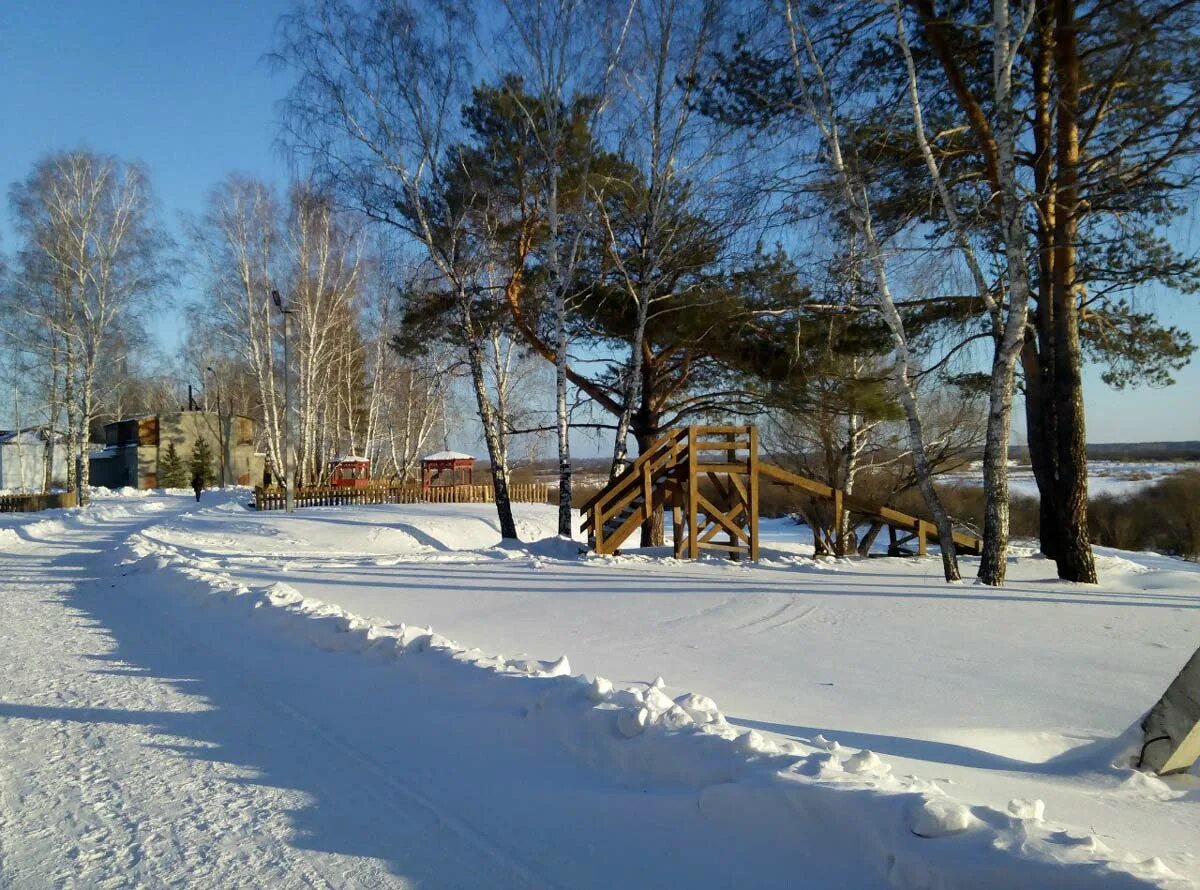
(214, 697)
(1105, 477)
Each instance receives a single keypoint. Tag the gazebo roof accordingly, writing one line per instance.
(447, 455)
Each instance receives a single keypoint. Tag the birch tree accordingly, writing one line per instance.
(373, 110)
(93, 250)
(816, 93)
(1008, 316)
(322, 266)
(239, 241)
(560, 46)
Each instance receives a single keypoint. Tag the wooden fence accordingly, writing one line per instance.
(325, 496)
(31, 503)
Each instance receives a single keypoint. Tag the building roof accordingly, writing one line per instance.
(448, 455)
(349, 459)
(30, 435)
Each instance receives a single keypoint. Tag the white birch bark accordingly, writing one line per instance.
(1008, 321)
(857, 203)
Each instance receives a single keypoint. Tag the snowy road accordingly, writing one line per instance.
(171, 715)
(139, 749)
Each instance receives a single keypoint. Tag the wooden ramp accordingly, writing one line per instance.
(723, 517)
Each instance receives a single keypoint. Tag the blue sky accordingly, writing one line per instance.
(182, 86)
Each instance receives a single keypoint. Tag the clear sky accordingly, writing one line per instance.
(182, 86)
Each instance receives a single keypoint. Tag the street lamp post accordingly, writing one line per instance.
(288, 459)
(220, 423)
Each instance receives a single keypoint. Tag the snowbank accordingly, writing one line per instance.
(847, 804)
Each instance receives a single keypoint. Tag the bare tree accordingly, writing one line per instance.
(1008, 317)
(373, 111)
(93, 255)
(322, 257)
(239, 240)
(816, 92)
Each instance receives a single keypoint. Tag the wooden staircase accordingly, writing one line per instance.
(668, 474)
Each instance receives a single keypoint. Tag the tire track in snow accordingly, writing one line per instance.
(767, 622)
(523, 874)
(93, 795)
(105, 779)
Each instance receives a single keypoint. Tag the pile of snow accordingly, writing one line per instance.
(809, 792)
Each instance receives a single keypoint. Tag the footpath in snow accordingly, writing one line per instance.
(189, 699)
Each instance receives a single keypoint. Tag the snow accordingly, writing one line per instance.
(210, 696)
(1105, 477)
(448, 455)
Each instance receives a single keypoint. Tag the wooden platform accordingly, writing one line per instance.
(725, 518)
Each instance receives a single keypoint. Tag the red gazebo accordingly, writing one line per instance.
(446, 468)
(349, 472)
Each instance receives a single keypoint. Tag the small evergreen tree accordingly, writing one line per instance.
(172, 472)
(201, 464)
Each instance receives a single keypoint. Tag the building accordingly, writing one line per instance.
(350, 472)
(446, 468)
(134, 448)
(23, 460)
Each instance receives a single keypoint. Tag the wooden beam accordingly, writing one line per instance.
(720, 517)
(752, 504)
(735, 483)
(741, 469)
(693, 494)
(710, 530)
(724, 548)
(719, 485)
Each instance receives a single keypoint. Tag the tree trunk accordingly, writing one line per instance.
(654, 528)
(566, 517)
(1075, 562)
(566, 523)
(994, 556)
(495, 446)
(1010, 335)
(52, 417)
(72, 405)
(1039, 426)
(924, 478)
(634, 384)
(1038, 357)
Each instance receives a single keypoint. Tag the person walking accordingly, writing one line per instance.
(197, 483)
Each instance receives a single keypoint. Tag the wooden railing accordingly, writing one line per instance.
(328, 496)
(631, 483)
(31, 503)
(667, 471)
(670, 471)
(922, 530)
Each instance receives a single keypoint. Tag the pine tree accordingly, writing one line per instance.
(172, 472)
(201, 464)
